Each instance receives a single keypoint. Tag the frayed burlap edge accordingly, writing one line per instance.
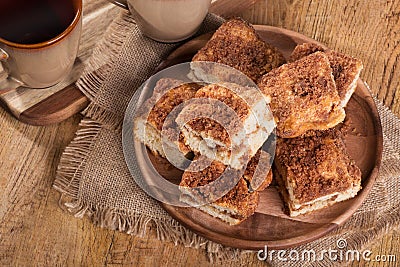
(67, 182)
(73, 159)
(100, 66)
(387, 221)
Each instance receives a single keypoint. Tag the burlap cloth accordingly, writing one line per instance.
(93, 174)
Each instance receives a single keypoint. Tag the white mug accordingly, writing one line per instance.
(167, 20)
(35, 62)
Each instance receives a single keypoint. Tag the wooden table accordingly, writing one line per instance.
(33, 228)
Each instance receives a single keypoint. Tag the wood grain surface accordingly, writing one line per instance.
(34, 231)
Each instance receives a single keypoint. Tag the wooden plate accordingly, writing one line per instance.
(270, 225)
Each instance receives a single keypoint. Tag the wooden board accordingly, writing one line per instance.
(270, 225)
(57, 103)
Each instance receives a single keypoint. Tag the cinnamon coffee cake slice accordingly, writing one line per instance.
(314, 172)
(228, 123)
(303, 96)
(234, 207)
(346, 69)
(237, 44)
(168, 94)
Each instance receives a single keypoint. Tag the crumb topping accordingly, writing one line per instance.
(316, 165)
(237, 44)
(303, 94)
(215, 129)
(303, 50)
(203, 177)
(264, 176)
(344, 68)
(168, 101)
(238, 198)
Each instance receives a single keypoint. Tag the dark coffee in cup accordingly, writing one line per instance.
(39, 41)
(34, 21)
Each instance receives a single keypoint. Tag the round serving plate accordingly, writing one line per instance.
(270, 225)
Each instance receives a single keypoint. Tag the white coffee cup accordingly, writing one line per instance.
(47, 62)
(167, 20)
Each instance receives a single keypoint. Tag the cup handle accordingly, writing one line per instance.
(6, 81)
(3, 55)
(120, 3)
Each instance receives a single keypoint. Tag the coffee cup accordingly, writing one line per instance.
(39, 41)
(167, 20)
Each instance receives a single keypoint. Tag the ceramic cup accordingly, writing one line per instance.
(38, 41)
(167, 20)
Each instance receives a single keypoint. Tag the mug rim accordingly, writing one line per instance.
(54, 40)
